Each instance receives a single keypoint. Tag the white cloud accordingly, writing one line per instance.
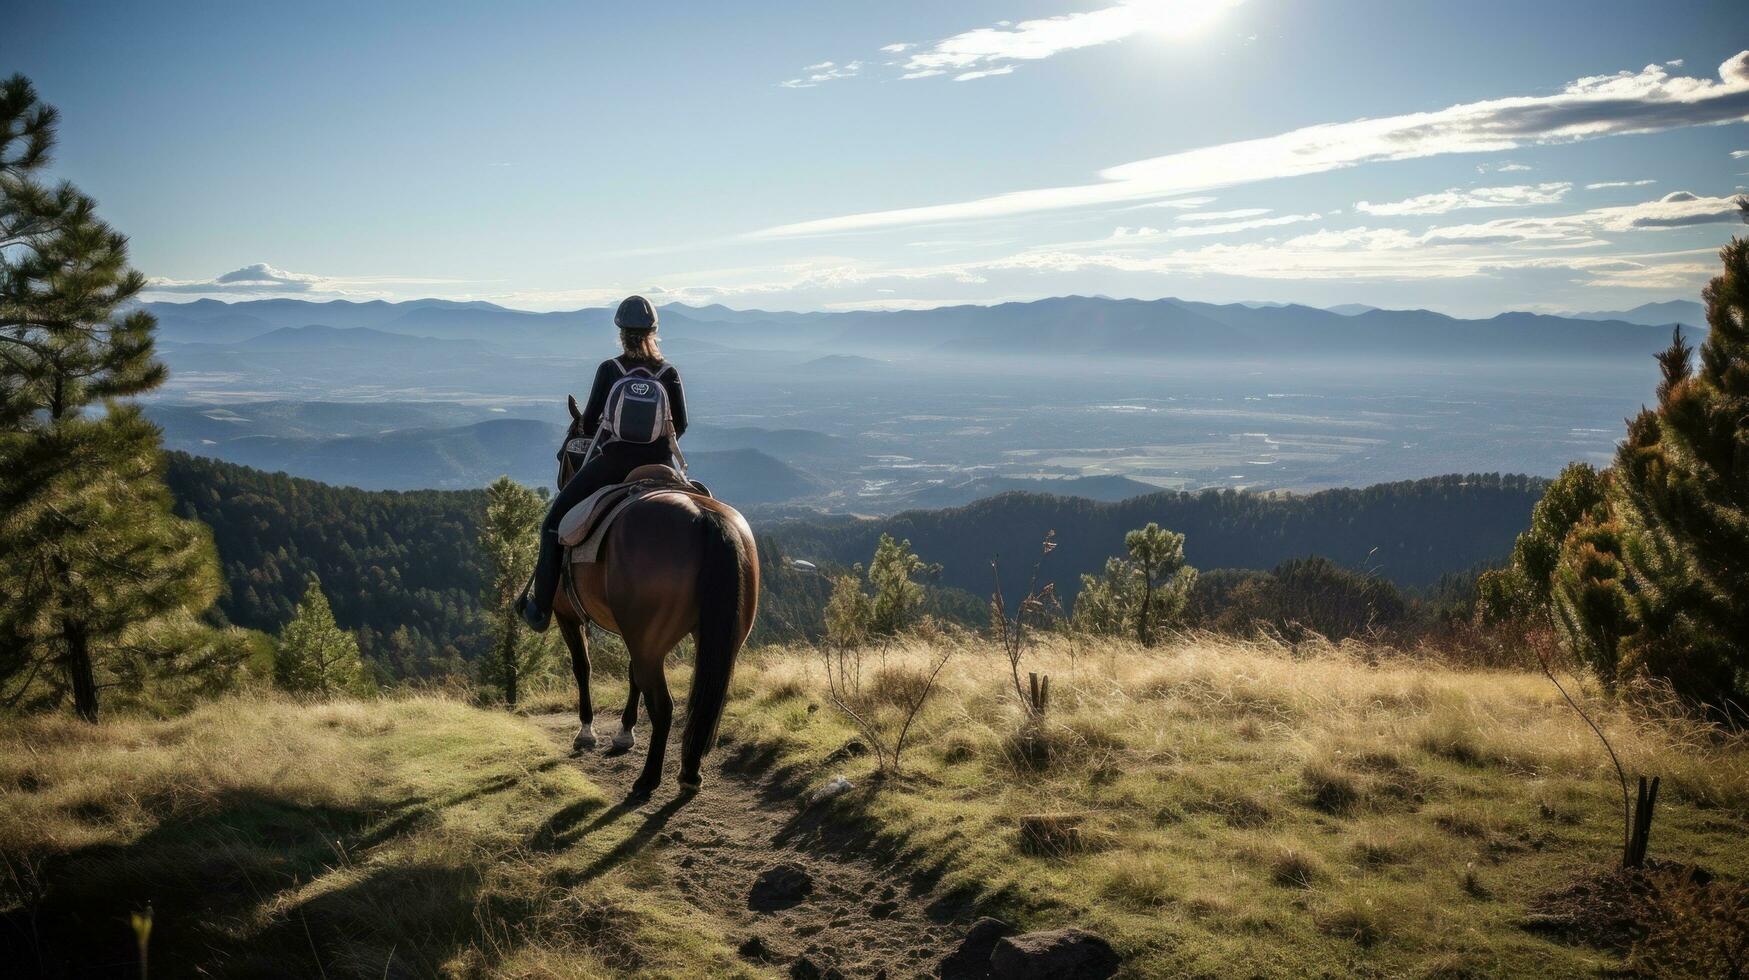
(982, 73)
(977, 52)
(1605, 184)
(1677, 209)
(1176, 202)
(1223, 215)
(1647, 101)
(1739, 154)
(897, 48)
(1501, 168)
(261, 279)
(825, 71)
(1515, 196)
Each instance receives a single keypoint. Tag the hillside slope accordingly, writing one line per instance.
(1212, 808)
(1218, 808)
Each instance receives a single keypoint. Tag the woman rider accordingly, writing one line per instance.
(613, 460)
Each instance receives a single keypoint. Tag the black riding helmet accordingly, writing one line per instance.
(635, 313)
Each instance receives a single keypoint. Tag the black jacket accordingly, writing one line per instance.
(611, 370)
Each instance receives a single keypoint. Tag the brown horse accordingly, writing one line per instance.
(671, 564)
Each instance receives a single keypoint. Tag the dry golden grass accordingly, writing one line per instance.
(1261, 808)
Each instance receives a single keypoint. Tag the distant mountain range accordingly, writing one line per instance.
(1063, 325)
(1683, 311)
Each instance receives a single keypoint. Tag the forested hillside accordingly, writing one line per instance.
(402, 569)
(1411, 532)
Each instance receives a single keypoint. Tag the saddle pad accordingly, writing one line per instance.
(575, 525)
(584, 527)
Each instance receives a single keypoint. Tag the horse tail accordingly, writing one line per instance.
(721, 592)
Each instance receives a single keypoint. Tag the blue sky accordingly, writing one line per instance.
(1465, 157)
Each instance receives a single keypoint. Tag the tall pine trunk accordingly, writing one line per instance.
(1145, 628)
(81, 676)
(76, 647)
(507, 651)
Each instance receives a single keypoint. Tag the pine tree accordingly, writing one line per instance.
(315, 655)
(1158, 557)
(509, 538)
(849, 613)
(1148, 590)
(897, 597)
(1652, 575)
(1107, 602)
(1682, 500)
(102, 581)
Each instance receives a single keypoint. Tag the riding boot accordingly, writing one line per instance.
(537, 602)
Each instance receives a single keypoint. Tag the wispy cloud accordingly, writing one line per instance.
(1176, 202)
(825, 71)
(978, 53)
(1677, 209)
(1237, 221)
(1456, 199)
(1739, 154)
(1606, 184)
(966, 76)
(261, 279)
(1223, 215)
(1647, 101)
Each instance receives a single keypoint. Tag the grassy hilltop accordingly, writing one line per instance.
(1214, 808)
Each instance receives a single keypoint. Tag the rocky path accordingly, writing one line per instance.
(807, 896)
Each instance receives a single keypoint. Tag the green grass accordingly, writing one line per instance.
(1261, 811)
(396, 837)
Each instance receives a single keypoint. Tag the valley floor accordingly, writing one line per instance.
(1213, 808)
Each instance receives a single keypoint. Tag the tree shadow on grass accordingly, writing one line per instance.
(220, 887)
(206, 880)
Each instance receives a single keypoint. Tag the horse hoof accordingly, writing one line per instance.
(690, 784)
(639, 795)
(585, 739)
(625, 739)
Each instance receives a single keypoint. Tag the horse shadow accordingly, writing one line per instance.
(561, 831)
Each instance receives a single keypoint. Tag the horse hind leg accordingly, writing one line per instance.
(647, 673)
(578, 643)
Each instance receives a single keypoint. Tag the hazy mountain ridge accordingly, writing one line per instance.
(1683, 311)
(1068, 324)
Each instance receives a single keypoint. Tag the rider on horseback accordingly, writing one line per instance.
(613, 458)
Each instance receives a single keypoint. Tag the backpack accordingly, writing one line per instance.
(637, 411)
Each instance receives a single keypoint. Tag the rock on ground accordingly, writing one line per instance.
(1057, 954)
(779, 887)
(971, 961)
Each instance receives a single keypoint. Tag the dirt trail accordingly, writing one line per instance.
(867, 915)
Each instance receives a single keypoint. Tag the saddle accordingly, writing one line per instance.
(584, 527)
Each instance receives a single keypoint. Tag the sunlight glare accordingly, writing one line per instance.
(1180, 19)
